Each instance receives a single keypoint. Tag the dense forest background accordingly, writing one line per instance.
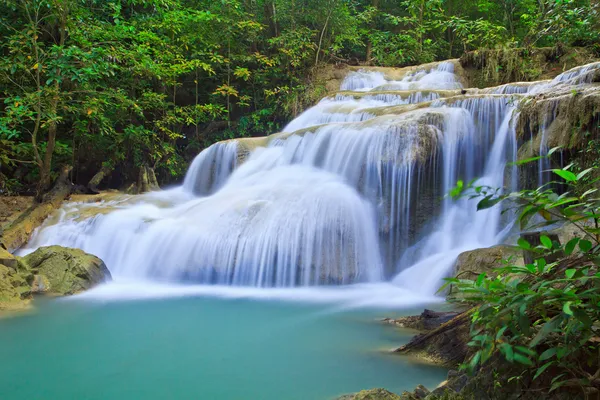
(116, 85)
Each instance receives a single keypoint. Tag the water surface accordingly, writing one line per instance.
(201, 348)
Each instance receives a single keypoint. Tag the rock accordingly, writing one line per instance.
(458, 382)
(472, 263)
(445, 394)
(14, 290)
(428, 320)
(372, 394)
(421, 392)
(445, 345)
(40, 284)
(64, 271)
(7, 259)
(452, 374)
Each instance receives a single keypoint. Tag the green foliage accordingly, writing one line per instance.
(133, 83)
(543, 315)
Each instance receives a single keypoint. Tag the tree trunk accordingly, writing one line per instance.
(46, 166)
(100, 175)
(147, 180)
(368, 56)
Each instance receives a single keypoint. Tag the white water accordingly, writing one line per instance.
(354, 200)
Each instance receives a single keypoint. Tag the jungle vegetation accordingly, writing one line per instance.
(116, 85)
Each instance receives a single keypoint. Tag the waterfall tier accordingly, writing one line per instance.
(352, 190)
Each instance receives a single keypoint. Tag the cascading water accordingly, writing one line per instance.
(352, 191)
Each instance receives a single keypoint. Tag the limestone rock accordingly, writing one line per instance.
(472, 263)
(66, 271)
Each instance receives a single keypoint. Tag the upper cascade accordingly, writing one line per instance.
(352, 190)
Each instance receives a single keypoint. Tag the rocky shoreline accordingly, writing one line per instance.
(53, 271)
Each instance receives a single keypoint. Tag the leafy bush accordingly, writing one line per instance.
(543, 315)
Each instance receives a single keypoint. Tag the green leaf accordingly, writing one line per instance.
(501, 332)
(583, 317)
(585, 245)
(556, 385)
(570, 246)
(570, 273)
(487, 202)
(508, 352)
(457, 190)
(544, 331)
(480, 279)
(546, 242)
(548, 354)
(566, 175)
(541, 264)
(524, 244)
(541, 369)
(567, 308)
(525, 161)
(552, 150)
(521, 359)
(584, 173)
(588, 192)
(526, 350)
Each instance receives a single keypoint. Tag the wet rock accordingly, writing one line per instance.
(445, 345)
(64, 271)
(428, 320)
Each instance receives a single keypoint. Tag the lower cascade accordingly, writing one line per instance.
(352, 191)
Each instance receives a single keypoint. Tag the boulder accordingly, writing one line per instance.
(64, 271)
(474, 262)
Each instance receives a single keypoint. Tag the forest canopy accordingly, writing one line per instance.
(114, 85)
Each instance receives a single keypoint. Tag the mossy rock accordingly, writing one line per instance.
(64, 271)
(7, 259)
(14, 290)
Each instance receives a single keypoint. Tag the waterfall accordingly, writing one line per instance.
(351, 191)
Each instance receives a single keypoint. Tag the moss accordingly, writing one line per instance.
(66, 271)
(14, 290)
